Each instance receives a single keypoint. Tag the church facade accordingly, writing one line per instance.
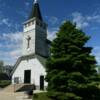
(30, 67)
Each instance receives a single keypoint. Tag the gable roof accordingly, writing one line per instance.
(27, 57)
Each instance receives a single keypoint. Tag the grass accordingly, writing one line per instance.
(40, 96)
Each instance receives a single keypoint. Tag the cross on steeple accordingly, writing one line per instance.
(28, 41)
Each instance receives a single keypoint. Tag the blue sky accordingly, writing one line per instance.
(86, 13)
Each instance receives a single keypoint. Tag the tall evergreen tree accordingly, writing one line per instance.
(71, 73)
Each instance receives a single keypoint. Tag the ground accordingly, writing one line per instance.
(9, 94)
(12, 96)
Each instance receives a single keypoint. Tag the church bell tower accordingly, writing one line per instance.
(35, 34)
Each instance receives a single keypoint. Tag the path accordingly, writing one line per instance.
(8, 94)
(12, 96)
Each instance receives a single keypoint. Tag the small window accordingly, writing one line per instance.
(16, 80)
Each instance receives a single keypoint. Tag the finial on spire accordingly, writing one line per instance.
(35, 1)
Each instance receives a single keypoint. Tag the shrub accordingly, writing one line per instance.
(4, 83)
(4, 76)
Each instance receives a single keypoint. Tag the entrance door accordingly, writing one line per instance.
(41, 82)
(27, 76)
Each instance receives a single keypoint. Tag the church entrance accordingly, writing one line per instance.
(41, 82)
(27, 76)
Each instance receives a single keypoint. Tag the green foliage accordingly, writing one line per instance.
(63, 96)
(4, 83)
(40, 96)
(71, 73)
(7, 70)
(4, 76)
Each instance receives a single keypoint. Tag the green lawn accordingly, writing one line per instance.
(40, 96)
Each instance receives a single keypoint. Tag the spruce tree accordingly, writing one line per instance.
(71, 73)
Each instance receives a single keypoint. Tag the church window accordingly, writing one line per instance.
(16, 80)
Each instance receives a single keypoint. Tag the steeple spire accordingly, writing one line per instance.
(36, 11)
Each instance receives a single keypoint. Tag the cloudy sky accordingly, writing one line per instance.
(86, 13)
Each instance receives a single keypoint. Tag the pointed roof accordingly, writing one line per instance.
(36, 11)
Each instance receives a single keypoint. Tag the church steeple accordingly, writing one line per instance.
(35, 34)
(36, 11)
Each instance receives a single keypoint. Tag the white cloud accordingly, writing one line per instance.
(10, 57)
(5, 21)
(52, 20)
(80, 20)
(10, 47)
(52, 33)
(15, 53)
(96, 52)
(95, 18)
(84, 21)
(27, 3)
(13, 37)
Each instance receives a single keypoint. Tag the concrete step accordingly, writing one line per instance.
(19, 88)
(26, 87)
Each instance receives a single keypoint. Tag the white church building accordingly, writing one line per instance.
(30, 67)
